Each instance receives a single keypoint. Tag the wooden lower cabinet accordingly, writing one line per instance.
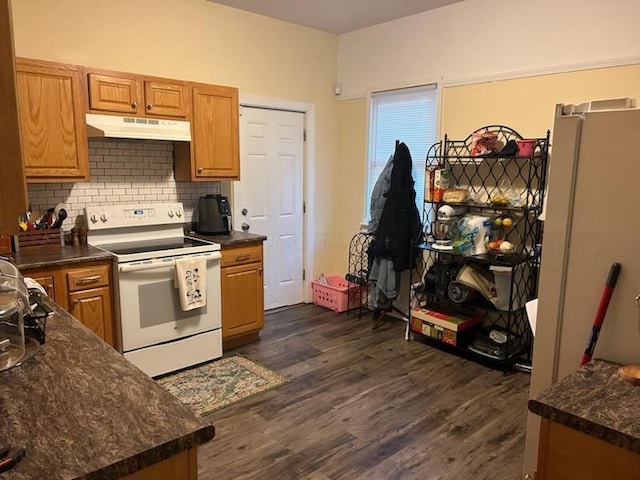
(567, 454)
(242, 291)
(92, 307)
(183, 466)
(84, 291)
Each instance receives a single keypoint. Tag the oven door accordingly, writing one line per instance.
(150, 310)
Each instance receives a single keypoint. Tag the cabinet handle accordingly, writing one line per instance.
(134, 105)
(84, 280)
(242, 258)
(76, 301)
(49, 288)
(260, 271)
(199, 170)
(149, 106)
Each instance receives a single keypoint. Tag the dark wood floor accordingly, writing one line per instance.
(365, 403)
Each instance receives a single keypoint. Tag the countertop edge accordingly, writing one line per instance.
(52, 257)
(150, 457)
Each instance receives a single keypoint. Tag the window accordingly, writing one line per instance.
(407, 115)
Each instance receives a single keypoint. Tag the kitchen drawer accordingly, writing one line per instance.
(241, 255)
(85, 278)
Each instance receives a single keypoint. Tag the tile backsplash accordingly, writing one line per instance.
(121, 171)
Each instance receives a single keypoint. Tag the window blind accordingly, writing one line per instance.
(407, 115)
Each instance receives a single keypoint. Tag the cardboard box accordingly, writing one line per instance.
(442, 318)
(444, 335)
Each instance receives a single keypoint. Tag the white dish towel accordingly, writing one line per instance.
(191, 282)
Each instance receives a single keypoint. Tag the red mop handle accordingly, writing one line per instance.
(602, 310)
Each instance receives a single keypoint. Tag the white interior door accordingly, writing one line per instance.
(268, 199)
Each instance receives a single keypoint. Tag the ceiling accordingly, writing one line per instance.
(336, 16)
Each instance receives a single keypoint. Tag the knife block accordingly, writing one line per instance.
(38, 238)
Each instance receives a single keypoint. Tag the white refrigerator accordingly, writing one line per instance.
(592, 220)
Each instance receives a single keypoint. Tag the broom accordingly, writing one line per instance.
(602, 310)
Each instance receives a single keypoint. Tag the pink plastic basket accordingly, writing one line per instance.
(335, 296)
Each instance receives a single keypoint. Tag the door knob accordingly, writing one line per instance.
(244, 212)
(245, 227)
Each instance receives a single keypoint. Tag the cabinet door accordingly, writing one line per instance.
(213, 151)
(93, 309)
(51, 109)
(52, 281)
(242, 299)
(48, 282)
(114, 94)
(13, 188)
(165, 99)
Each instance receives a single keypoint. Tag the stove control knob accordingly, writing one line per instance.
(103, 217)
(178, 213)
(170, 213)
(93, 218)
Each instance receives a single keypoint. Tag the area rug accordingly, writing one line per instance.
(212, 386)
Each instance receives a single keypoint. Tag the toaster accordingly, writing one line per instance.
(214, 215)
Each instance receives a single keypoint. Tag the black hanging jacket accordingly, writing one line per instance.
(400, 224)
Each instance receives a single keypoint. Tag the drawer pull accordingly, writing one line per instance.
(242, 258)
(49, 289)
(85, 280)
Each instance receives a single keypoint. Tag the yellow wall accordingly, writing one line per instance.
(527, 104)
(200, 41)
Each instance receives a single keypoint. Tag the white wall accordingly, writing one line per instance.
(478, 40)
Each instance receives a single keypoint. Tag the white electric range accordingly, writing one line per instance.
(147, 239)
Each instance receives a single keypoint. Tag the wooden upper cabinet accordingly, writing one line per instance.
(13, 188)
(165, 99)
(214, 149)
(114, 94)
(135, 95)
(51, 110)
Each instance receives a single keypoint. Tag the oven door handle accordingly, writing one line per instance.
(127, 267)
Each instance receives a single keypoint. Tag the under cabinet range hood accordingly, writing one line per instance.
(114, 126)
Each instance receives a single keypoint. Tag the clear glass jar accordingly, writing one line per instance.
(12, 347)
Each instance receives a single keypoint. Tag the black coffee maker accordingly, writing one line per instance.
(214, 215)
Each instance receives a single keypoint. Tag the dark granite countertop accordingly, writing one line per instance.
(234, 238)
(596, 401)
(49, 256)
(82, 411)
